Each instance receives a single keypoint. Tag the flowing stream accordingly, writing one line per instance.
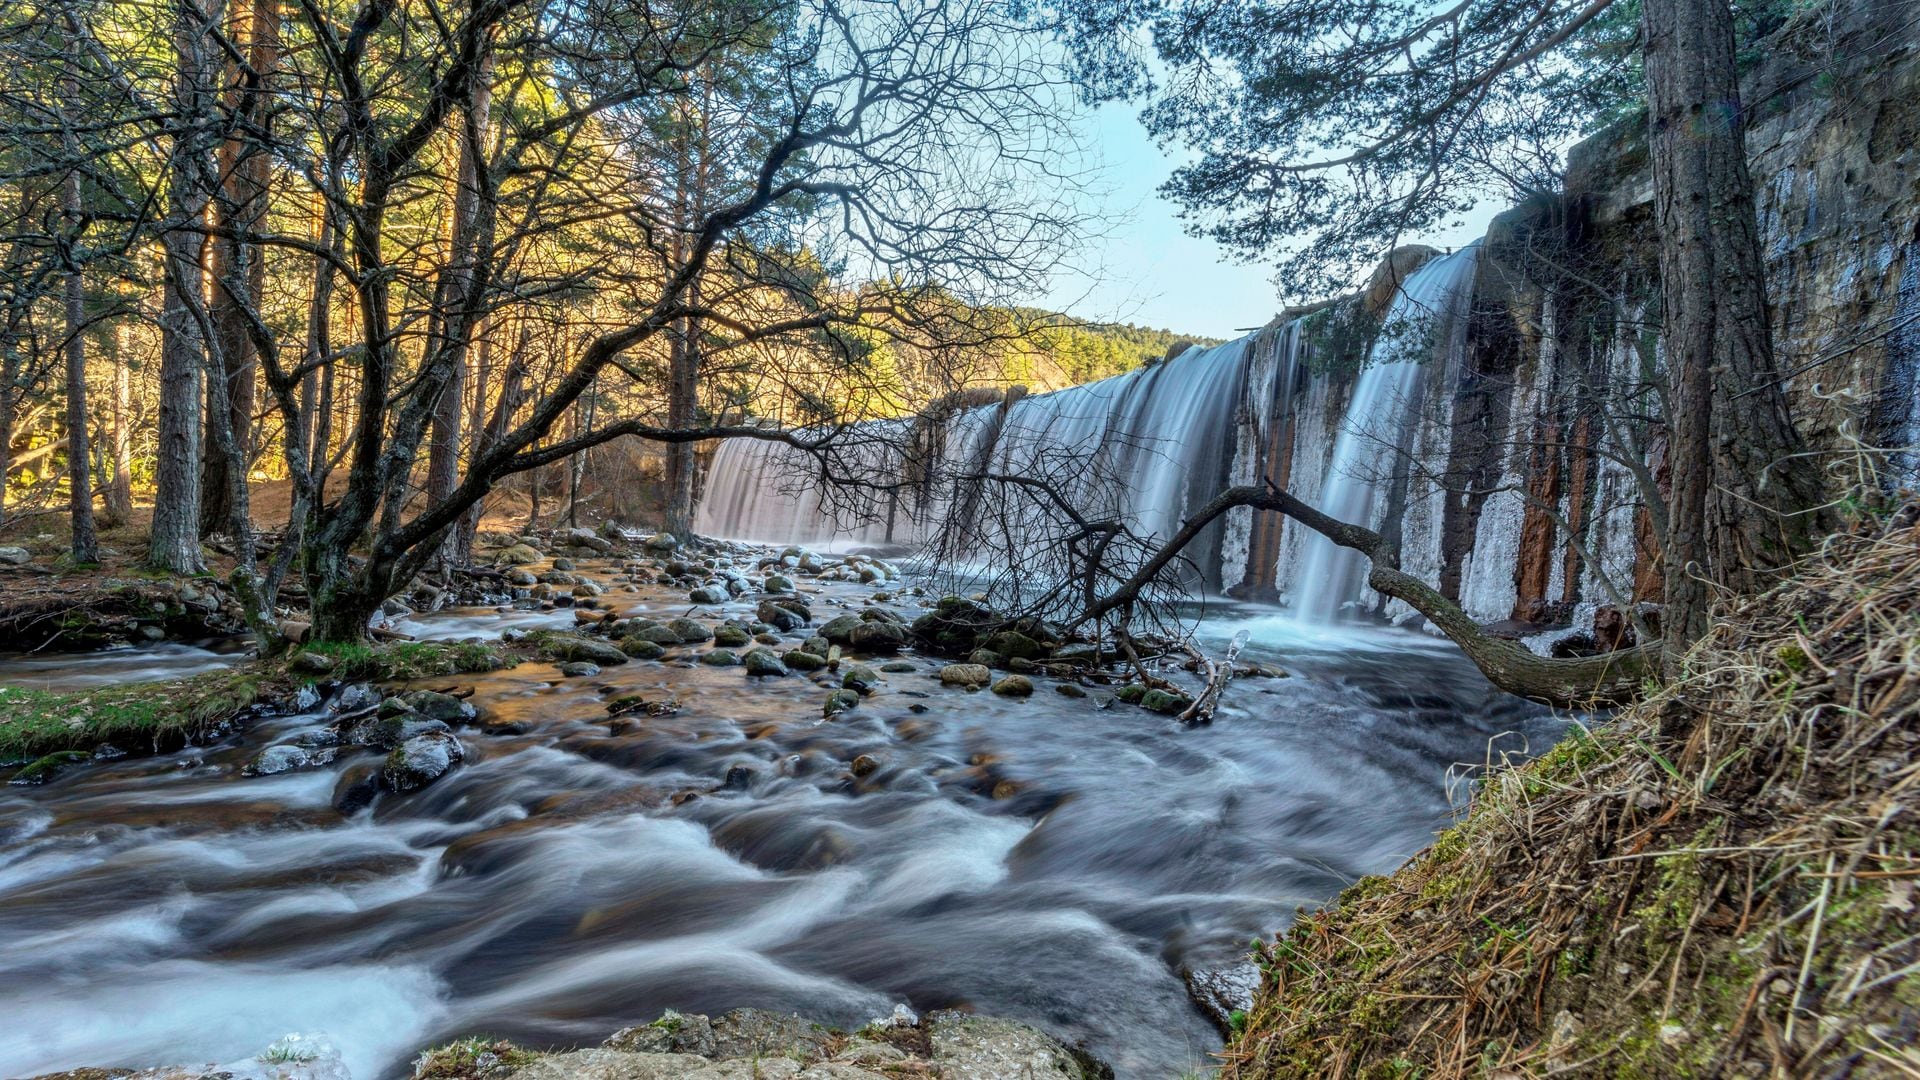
(1052, 860)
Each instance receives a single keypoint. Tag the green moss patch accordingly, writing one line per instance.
(137, 717)
(406, 659)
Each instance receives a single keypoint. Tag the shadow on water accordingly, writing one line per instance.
(1050, 860)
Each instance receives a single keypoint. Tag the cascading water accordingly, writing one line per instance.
(1424, 326)
(1149, 446)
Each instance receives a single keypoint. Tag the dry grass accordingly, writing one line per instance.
(1719, 882)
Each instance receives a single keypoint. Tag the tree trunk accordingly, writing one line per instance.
(120, 483)
(86, 546)
(9, 375)
(443, 455)
(1741, 497)
(175, 543)
(683, 402)
(237, 265)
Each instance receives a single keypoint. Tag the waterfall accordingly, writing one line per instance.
(1425, 327)
(1149, 446)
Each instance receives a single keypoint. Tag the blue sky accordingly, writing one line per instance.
(1147, 270)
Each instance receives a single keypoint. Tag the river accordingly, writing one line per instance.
(1052, 860)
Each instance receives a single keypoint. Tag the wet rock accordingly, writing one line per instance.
(689, 631)
(661, 542)
(879, 637)
(576, 647)
(777, 583)
(955, 625)
(1161, 701)
(763, 662)
(579, 669)
(731, 636)
(839, 629)
(421, 760)
(1131, 693)
(1013, 644)
(287, 757)
(522, 578)
(720, 658)
(972, 675)
(864, 765)
(1079, 653)
(898, 667)
(840, 701)
(1014, 686)
(802, 660)
(641, 649)
(1070, 690)
(709, 594)
(984, 658)
(437, 706)
(861, 679)
(563, 564)
(1222, 992)
(656, 633)
(390, 729)
(356, 788)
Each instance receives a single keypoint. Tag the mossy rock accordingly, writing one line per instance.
(1131, 693)
(720, 658)
(1162, 701)
(519, 555)
(50, 766)
(802, 660)
(731, 637)
(642, 649)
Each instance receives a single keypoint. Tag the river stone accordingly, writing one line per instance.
(519, 555)
(786, 613)
(286, 758)
(861, 679)
(575, 647)
(437, 706)
(358, 786)
(955, 624)
(563, 564)
(984, 657)
(1014, 686)
(1161, 701)
(839, 701)
(587, 538)
(731, 636)
(720, 658)
(421, 760)
(690, 631)
(641, 649)
(709, 594)
(1222, 992)
(1078, 652)
(839, 629)
(762, 661)
(1131, 693)
(1012, 643)
(777, 583)
(522, 578)
(662, 542)
(1068, 689)
(898, 667)
(965, 675)
(969, 1047)
(579, 669)
(656, 633)
(802, 660)
(879, 636)
(863, 765)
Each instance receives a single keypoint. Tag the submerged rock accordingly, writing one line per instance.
(840, 701)
(288, 757)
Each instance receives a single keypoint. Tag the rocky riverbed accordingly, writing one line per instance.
(719, 778)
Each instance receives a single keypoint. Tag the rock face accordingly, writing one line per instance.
(753, 1044)
(421, 760)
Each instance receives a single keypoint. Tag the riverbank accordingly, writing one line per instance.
(1720, 882)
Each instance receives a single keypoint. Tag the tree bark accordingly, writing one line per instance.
(119, 508)
(1742, 495)
(254, 26)
(455, 331)
(175, 541)
(85, 547)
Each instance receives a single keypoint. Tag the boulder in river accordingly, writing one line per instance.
(839, 701)
(731, 636)
(803, 660)
(662, 542)
(641, 649)
(421, 760)
(762, 661)
(287, 757)
(1014, 686)
(519, 555)
(710, 595)
(970, 675)
(587, 538)
(839, 629)
(577, 669)
(690, 631)
(1014, 644)
(861, 679)
(578, 647)
(879, 636)
(720, 658)
(437, 706)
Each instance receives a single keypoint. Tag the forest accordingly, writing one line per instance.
(649, 538)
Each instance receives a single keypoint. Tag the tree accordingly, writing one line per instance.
(1332, 152)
